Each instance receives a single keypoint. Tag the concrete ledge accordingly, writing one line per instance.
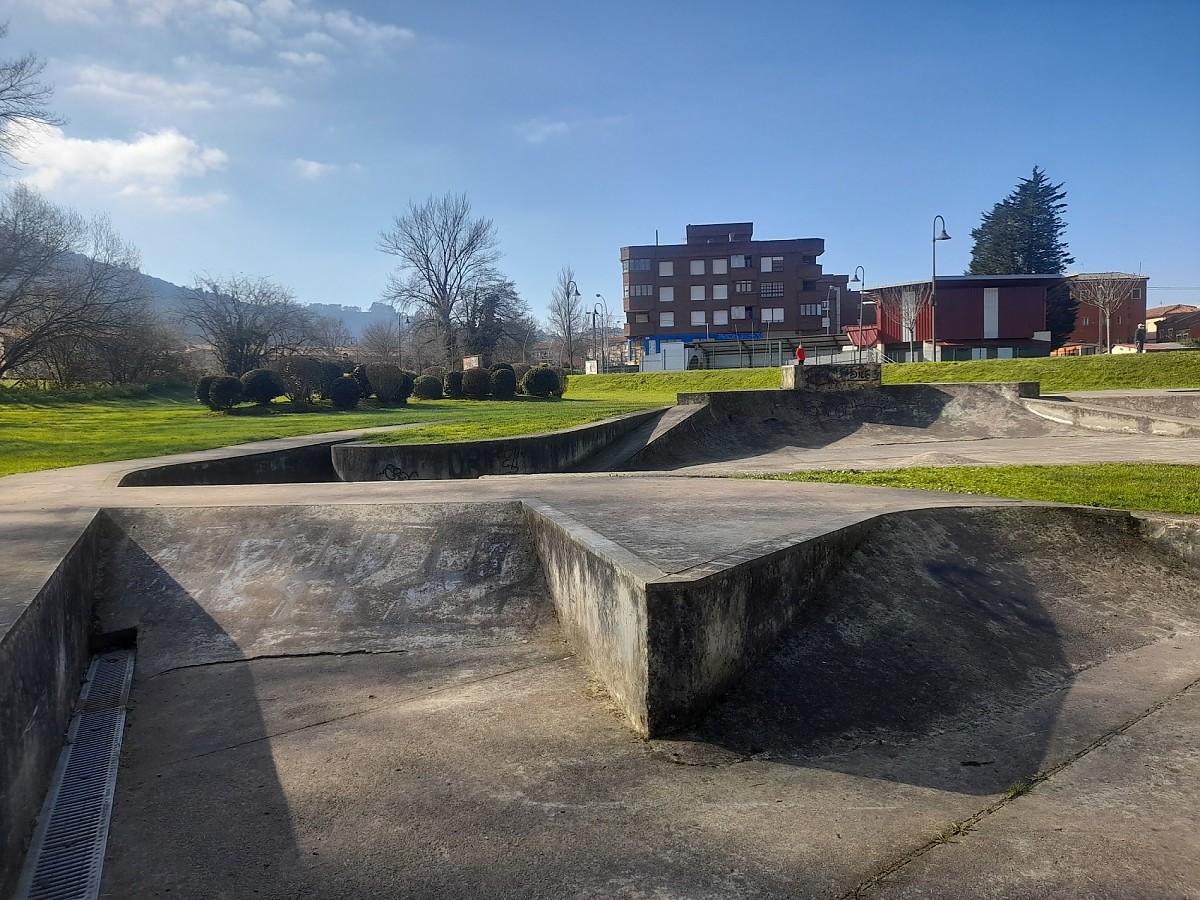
(291, 465)
(831, 377)
(1106, 418)
(558, 451)
(43, 657)
(667, 646)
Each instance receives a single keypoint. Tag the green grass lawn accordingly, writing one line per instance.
(46, 430)
(1144, 486)
(1067, 373)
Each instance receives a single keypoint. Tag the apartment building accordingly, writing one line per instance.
(724, 285)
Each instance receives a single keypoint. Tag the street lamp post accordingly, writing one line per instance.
(861, 281)
(601, 305)
(937, 236)
(570, 314)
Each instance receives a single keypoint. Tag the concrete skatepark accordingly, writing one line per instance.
(628, 685)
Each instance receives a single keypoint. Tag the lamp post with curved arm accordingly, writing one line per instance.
(861, 281)
(602, 305)
(570, 286)
(937, 236)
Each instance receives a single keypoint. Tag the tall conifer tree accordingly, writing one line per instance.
(1023, 235)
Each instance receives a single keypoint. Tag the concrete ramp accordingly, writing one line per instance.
(213, 585)
(739, 424)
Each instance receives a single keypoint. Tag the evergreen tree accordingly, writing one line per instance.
(1022, 235)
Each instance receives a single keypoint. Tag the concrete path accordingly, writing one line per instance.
(987, 704)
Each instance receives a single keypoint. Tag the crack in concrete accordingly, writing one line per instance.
(370, 709)
(245, 659)
(966, 826)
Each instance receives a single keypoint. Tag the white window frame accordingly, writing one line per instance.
(737, 312)
(772, 314)
(666, 320)
(720, 317)
(741, 261)
(666, 294)
(666, 268)
(720, 292)
(720, 266)
(697, 293)
(698, 317)
(696, 267)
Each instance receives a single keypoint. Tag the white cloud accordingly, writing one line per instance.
(243, 38)
(539, 131)
(151, 169)
(88, 12)
(308, 58)
(310, 170)
(149, 91)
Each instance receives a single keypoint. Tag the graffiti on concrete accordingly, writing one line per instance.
(393, 472)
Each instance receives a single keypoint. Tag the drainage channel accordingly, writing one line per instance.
(66, 856)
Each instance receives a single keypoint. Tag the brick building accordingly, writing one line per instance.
(724, 285)
(1131, 312)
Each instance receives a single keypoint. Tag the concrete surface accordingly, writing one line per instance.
(474, 754)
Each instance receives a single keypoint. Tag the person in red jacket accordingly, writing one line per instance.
(799, 355)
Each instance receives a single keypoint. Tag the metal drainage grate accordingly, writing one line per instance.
(67, 854)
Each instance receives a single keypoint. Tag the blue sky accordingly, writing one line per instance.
(278, 137)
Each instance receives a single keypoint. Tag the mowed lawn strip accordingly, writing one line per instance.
(1122, 371)
(1142, 486)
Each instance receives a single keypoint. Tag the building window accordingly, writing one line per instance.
(697, 317)
(697, 292)
(666, 268)
(770, 289)
(737, 312)
(1137, 294)
(1118, 320)
(666, 295)
(666, 320)
(772, 263)
(743, 287)
(720, 292)
(741, 262)
(639, 290)
(808, 260)
(697, 267)
(1087, 321)
(772, 314)
(809, 286)
(720, 266)
(635, 265)
(720, 317)
(812, 309)
(641, 318)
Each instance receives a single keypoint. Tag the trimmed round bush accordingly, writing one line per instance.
(330, 372)
(540, 381)
(345, 392)
(261, 386)
(224, 392)
(202, 387)
(504, 384)
(476, 384)
(563, 378)
(365, 389)
(428, 387)
(438, 372)
(452, 385)
(519, 370)
(301, 377)
(498, 366)
(391, 383)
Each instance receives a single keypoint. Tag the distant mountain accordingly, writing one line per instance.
(168, 299)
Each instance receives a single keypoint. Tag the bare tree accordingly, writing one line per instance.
(444, 256)
(330, 336)
(495, 316)
(902, 305)
(62, 277)
(248, 321)
(1106, 291)
(380, 341)
(566, 319)
(23, 101)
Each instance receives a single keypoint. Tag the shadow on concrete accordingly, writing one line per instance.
(740, 424)
(199, 809)
(942, 655)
